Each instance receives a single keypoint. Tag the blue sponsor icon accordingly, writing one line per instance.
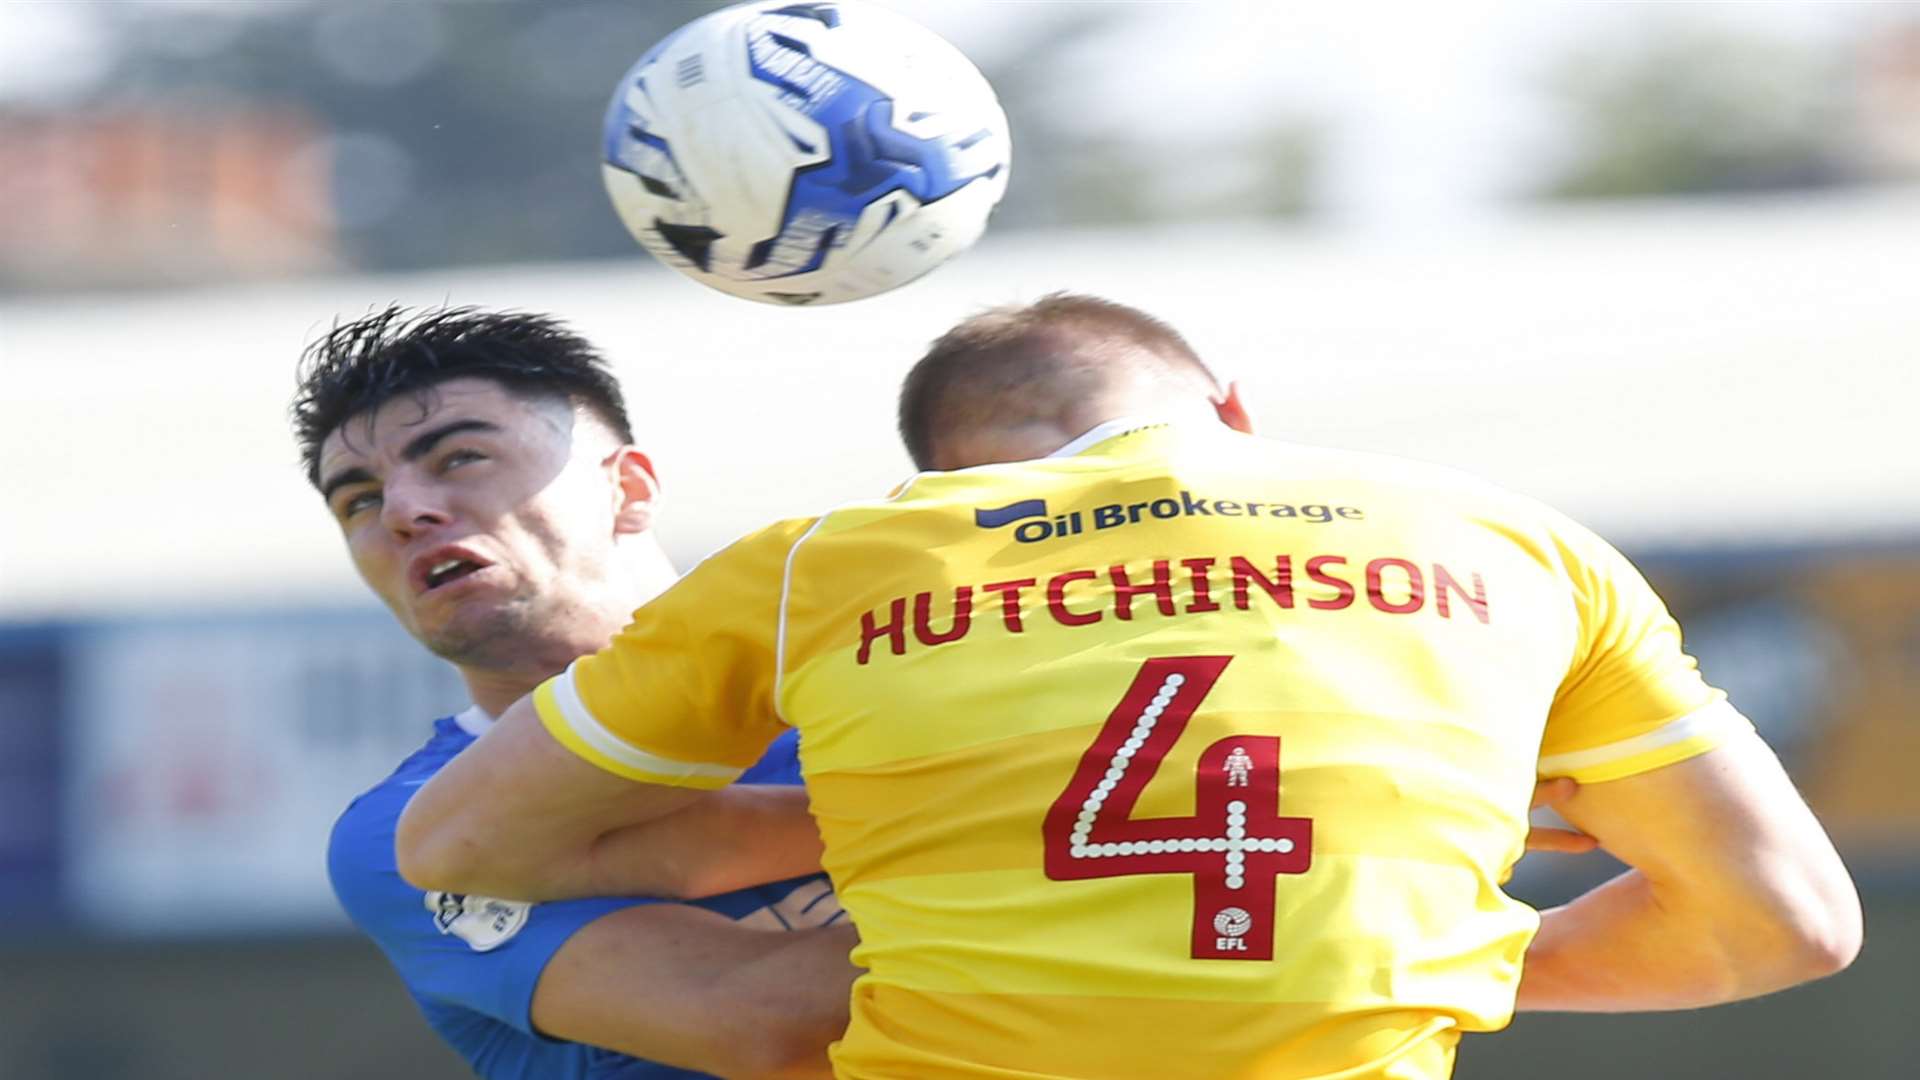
(1034, 523)
(997, 516)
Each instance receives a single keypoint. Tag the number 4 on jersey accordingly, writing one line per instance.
(1235, 843)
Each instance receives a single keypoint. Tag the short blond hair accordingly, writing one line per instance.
(992, 363)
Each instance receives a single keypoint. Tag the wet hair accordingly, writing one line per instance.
(1005, 359)
(361, 365)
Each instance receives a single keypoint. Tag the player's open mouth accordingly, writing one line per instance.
(443, 567)
(449, 570)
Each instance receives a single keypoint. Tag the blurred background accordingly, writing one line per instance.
(1658, 264)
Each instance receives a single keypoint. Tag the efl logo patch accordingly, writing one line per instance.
(482, 922)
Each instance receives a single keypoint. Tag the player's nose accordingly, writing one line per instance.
(409, 508)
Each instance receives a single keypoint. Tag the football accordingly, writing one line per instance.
(805, 153)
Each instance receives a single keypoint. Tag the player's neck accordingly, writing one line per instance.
(573, 631)
(494, 691)
(539, 658)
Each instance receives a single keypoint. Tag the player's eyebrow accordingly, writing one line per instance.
(355, 475)
(420, 446)
(423, 443)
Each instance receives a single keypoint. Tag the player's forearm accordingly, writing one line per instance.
(683, 986)
(1736, 891)
(518, 816)
(790, 1005)
(741, 836)
(1630, 945)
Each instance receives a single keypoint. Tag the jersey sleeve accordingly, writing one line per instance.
(1632, 700)
(684, 695)
(469, 952)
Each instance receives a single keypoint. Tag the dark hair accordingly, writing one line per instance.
(361, 365)
(1006, 350)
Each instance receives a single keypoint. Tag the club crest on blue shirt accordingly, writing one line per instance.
(482, 922)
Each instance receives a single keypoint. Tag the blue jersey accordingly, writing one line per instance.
(471, 963)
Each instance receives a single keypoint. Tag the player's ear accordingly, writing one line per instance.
(635, 490)
(1227, 406)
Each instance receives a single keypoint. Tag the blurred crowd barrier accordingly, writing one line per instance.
(178, 776)
(1820, 647)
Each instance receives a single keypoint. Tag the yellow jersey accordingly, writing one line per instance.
(1178, 753)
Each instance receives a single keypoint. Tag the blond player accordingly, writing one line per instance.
(1142, 747)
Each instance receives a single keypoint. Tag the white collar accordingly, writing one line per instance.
(1119, 425)
(474, 721)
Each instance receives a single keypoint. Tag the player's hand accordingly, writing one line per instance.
(1545, 838)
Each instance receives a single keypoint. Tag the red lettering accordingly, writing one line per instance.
(1092, 831)
(894, 630)
(962, 617)
(1416, 586)
(1443, 582)
(1057, 598)
(1010, 600)
(1343, 592)
(1124, 590)
(1279, 589)
(1202, 597)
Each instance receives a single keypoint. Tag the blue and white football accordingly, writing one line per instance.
(805, 153)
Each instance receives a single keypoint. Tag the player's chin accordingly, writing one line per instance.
(474, 636)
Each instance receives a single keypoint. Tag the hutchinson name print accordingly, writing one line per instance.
(1084, 596)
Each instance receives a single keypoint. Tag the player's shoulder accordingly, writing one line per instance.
(1555, 538)
(769, 552)
(360, 845)
(757, 553)
(447, 738)
(1461, 491)
(1338, 462)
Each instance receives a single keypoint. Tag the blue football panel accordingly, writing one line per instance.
(868, 158)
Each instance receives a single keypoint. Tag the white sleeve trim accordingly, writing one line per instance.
(596, 735)
(786, 590)
(1706, 720)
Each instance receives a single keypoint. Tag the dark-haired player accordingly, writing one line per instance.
(482, 470)
(1142, 747)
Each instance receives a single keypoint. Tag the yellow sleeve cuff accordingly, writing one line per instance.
(568, 720)
(1677, 740)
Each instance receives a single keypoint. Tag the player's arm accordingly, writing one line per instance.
(1734, 891)
(1554, 793)
(744, 835)
(688, 987)
(675, 708)
(665, 982)
(519, 815)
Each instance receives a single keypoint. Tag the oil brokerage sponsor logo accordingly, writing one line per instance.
(1032, 523)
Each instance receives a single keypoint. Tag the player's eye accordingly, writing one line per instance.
(460, 457)
(365, 500)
